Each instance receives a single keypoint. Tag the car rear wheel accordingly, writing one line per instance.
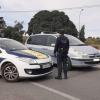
(10, 73)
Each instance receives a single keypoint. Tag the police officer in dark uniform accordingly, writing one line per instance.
(61, 51)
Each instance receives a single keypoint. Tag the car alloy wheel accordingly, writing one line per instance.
(10, 73)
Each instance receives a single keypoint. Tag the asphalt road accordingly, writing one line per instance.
(82, 84)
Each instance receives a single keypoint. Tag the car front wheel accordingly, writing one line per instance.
(10, 73)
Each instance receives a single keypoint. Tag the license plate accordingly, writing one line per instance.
(96, 59)
(46, 65)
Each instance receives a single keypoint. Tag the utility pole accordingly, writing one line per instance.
(0, 29)
(79, 20)
(80, 17)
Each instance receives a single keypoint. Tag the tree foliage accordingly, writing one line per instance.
(51, 22)
(2, 26)
(14, 32)
(82, 34)
(18, 26)
(2, 23)
(93, 40)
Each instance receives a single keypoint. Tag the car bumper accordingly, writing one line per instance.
(84, 62)
(80, 62)
(34, 70)
(37, 69)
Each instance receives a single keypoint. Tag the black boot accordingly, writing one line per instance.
(65, 76)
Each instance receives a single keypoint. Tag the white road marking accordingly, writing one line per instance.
(56, 91)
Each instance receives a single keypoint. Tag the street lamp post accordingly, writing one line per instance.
(80, 18)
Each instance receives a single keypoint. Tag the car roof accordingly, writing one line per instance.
(57, 34)
(5, 39)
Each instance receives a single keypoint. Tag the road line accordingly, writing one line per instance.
(56, 91)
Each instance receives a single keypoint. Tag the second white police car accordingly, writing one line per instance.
(16, 61)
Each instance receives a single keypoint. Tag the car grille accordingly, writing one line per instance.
(97, 62)
(39, 71)
(94, 55)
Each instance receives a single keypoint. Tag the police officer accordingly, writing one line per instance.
(61, 51)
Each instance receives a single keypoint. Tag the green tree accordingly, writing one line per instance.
(2, 23)
(15, 32)
(82, 34)
(2, 26)
(94, 41)
(51, 22)
(19, 26)
(98, 40)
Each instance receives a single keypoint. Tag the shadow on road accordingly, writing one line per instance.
(76, 71)
(43, 78)
(85, 69)
(0, 76)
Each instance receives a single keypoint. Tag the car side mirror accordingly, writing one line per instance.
(52, 45)
(0, 51)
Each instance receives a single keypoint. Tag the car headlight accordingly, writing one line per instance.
(79, 54)
(27, 60)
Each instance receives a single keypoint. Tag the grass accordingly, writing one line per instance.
(97, 46)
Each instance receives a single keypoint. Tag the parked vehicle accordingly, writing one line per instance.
(80, 54)
(17, 61)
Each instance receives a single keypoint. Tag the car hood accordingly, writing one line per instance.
(85, 49)
(28, 54)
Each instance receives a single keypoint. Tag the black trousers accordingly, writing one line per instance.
(62, 64)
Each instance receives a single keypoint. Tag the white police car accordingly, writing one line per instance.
(16, 61)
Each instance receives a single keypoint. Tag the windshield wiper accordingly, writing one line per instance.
(17, 49)
(81, 45)
(78, 44)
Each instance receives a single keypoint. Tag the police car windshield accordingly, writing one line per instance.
(11, 45)
(73, 41)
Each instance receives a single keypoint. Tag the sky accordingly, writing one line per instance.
(90, 17)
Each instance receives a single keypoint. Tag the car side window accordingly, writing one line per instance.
(37, 40)
(33, 40)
